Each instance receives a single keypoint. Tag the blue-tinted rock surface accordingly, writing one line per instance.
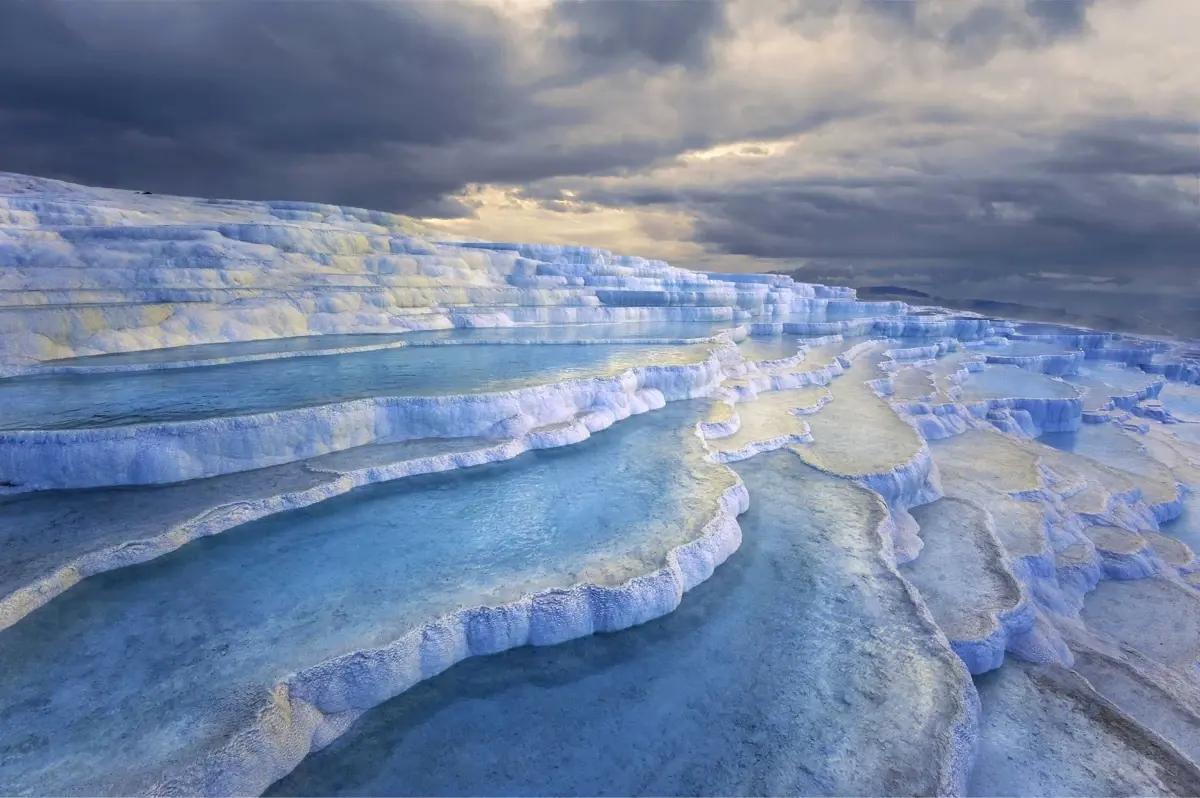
(270, 472)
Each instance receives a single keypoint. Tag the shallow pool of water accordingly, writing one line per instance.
(148, 667)
(102, 400)
(800, 667)
(577, 332)
(1006, 382)
(176, 354)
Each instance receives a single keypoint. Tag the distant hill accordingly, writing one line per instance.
(891, 291)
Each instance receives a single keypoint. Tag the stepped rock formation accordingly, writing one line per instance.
(274, 475)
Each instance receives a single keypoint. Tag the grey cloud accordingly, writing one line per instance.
(901, 12)
(194, 97)
(306, 75)
(997, 25)
(400, 105)
(981, 34)
(1100, 208)
(1109, 152)
(391, 105)
(443, 208)
(971, 31)
(1090, 225)
(611, 33)
(1060, 17)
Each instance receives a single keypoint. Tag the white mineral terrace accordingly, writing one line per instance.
(274, 475)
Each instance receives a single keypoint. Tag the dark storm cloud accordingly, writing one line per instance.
(608, 34)
(1110, 152)
(391, 105)
(400, 105)
(1101, 202)
(988, 223)
(308, 79)
(246, 98)
(1089, 224)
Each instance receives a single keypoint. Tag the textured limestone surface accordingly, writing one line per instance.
(311, 500)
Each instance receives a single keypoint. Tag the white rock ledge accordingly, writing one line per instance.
(314, 706)
(50, 367)
(1026, 418)
(1058, 364)
(221, 518)
(955, 769)
(758, 447)
(668, 341)
(178, 451)
(724, 421)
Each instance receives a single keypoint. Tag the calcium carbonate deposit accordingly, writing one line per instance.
(309, 500)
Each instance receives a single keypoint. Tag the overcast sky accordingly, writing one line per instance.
(995, 138)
